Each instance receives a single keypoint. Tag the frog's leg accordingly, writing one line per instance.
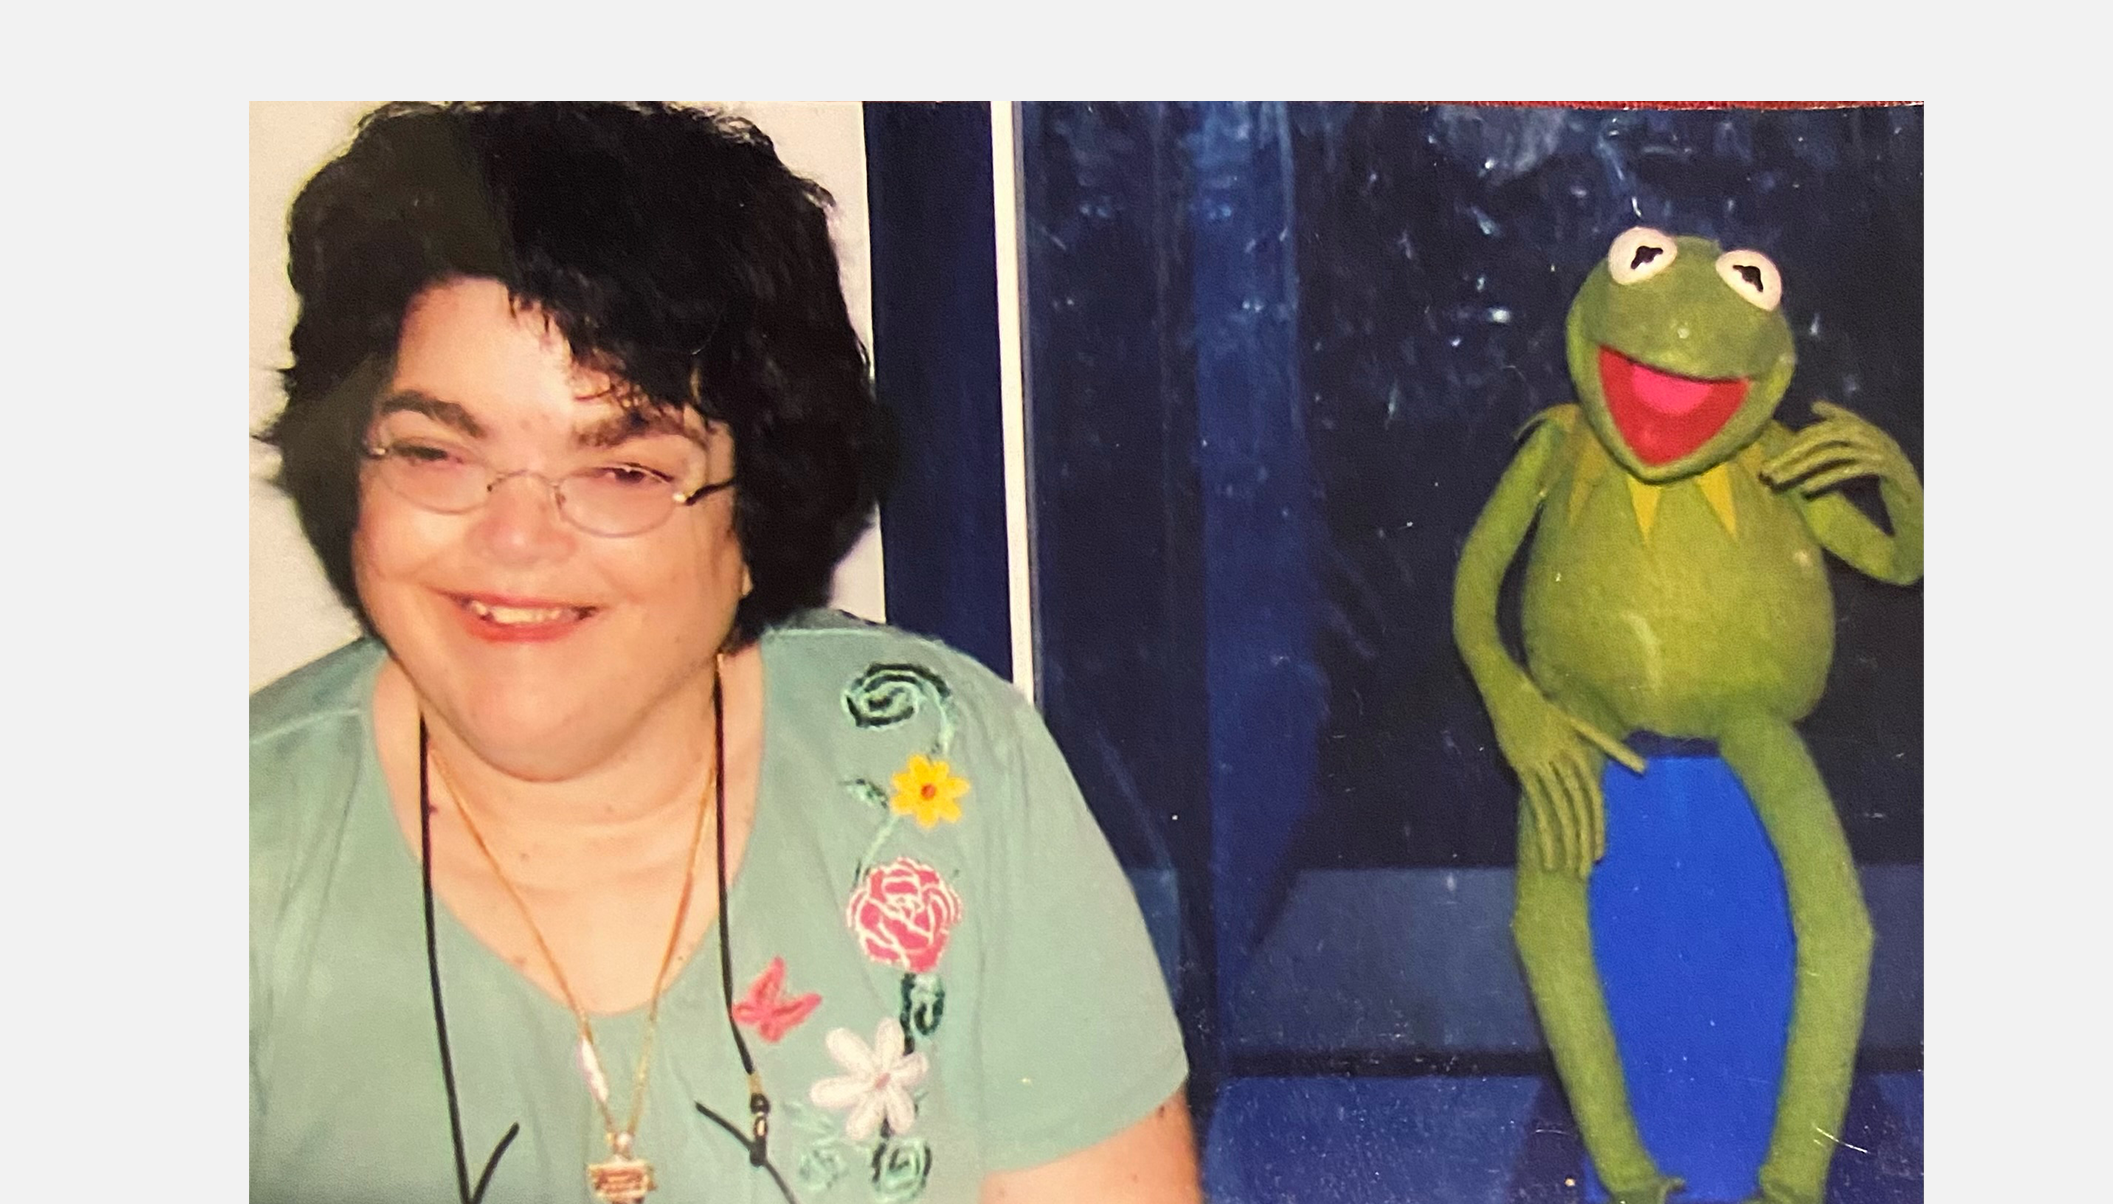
(1552, 927)
(1833, 933)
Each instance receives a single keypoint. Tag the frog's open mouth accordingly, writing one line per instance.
(1662, 416)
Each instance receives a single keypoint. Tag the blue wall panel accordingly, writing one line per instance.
(1116, 510)
(1263, 695)
(935, 348)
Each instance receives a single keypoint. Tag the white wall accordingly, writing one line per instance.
(294, 617)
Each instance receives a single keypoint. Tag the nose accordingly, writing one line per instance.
(519, 522)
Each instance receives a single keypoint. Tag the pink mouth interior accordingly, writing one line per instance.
(1662, 416)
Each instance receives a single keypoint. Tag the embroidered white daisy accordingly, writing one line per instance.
(876, 1081)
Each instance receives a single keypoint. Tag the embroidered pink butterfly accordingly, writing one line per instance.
(765, 1009)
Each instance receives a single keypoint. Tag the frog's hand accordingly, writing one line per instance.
(1570, 800)
(1842, 447)
(1558, 774)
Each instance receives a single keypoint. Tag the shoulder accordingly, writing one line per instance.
(1547, 447)
(870, 672)
(308, 730)
(1556, 420)
(1772, 440)
(812, 635)
(1549, 440)
(309, 744)
(333, 686)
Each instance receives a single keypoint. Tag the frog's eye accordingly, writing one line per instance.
(1640, 254)
(1753, 276)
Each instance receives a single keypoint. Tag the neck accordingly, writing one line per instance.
(659, 768)
(622, 807)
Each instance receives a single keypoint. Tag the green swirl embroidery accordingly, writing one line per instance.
(885, 695)
(901, 1167)
(829, 1157)
(821, 1166)
(898, 1167)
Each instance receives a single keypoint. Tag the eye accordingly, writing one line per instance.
(1640, 253)
(1753, 276)
(416, 453)
(628, 477)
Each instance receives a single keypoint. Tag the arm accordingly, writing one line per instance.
(1558, 773)
(1491, 545)
(1151, 1162)
(1082, 1061)
(1838, 448)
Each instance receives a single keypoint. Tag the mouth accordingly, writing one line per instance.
(517, 620)
(1663, 416)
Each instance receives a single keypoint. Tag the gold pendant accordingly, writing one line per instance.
(621, 1180)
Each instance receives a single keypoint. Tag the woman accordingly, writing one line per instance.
(609, 867)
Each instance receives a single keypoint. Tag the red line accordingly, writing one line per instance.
(1684, 104)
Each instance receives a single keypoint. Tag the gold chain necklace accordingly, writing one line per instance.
(623, 1178)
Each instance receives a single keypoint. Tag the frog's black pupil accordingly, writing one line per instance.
(1751, 275)
(1644, 255)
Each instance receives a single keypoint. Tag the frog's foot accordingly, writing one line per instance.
(1650, 1193)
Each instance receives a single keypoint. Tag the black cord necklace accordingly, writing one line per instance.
(756, 1141)
(440, 1014)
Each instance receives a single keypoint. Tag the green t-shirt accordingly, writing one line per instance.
(1002, 942)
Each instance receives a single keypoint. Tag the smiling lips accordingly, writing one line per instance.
(1662, 416)
(518, 620)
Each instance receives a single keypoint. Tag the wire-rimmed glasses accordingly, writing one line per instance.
(614, 499)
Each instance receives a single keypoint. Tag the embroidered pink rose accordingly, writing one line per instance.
(902, 914)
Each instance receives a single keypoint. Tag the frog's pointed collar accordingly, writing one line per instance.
(1643, 500)
(1716, 490)
(1714, 483)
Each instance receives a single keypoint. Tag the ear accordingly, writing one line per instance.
(748, 580)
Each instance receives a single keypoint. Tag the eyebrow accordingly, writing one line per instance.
(446, 413)
(632, 423)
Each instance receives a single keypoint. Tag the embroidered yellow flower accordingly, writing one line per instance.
(929, 791)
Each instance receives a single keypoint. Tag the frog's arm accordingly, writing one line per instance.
(1558, 774)
(1840, 447)
(1492, 543)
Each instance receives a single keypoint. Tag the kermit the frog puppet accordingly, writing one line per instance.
(1675, 585)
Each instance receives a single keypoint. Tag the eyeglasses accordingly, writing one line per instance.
(613, 499)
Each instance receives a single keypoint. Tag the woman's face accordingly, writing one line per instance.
(543, 646)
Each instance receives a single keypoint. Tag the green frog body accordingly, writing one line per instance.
(1675, 583)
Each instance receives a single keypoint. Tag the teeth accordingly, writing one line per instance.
(521, 614)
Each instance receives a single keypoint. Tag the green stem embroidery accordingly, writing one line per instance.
(880, 837)
(867, 791)
(923, 1006)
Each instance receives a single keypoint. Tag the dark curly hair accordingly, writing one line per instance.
(673, 250)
